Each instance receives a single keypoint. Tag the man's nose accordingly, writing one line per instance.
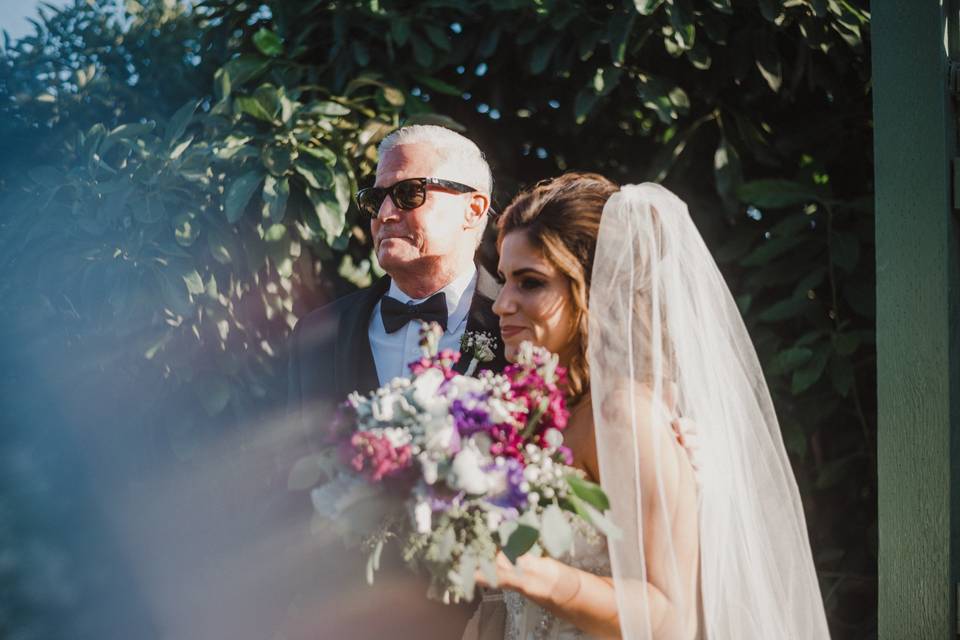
(387, 211)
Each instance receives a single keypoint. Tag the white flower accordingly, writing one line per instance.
(429, 468)
(396, 436)
(467, 474)
(553, 438)
(499, 411)
(425, 388)
(462, 385)
(531, 474)
(438, 435)
(494, 518)
(422, 515)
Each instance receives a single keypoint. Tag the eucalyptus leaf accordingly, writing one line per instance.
(556, 535)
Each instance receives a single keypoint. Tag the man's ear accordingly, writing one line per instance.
(477, 207)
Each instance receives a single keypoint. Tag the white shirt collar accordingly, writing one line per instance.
(459, 295)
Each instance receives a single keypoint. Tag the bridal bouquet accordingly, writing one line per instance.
(456, 468)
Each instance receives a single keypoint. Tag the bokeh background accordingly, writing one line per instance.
(175, 191)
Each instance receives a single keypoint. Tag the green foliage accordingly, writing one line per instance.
(177, 191)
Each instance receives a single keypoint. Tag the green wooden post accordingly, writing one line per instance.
(917, 319)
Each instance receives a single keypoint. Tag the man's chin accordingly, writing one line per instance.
(393, 260)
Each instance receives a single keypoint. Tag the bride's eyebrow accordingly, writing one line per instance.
(528, 271)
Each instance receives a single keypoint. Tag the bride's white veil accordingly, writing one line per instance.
(667, 342)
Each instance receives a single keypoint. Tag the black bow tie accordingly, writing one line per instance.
(396, 314)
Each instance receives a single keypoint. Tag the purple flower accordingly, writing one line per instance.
(507, 493)
(470, 415)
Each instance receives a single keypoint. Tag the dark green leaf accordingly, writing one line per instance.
(239, 192)
(400, 30)
(618, 32)
(174, 292)
(722, 5)
(768, 250)
(768, 62)
(841, 375)
(582, 105)
(807, 375)
(521, 541)
(727, 171)
(361, 55)
(790, 359)
(438, 37)
(178, 123)
(275, 194)
(439, 86)
(277, 159)
(647, 7)
(784, 310)
(776, 194)
(540, 56)
(422, 52)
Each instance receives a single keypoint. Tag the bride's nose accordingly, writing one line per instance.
(504, 304)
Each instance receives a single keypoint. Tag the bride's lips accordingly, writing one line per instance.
(510, 330)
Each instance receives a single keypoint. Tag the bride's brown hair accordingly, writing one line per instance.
(561, 218)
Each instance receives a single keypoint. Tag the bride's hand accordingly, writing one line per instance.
(534, 577)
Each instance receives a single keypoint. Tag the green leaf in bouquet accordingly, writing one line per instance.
(556, 534)
(589, 492)
(596, 518)
(521, 540)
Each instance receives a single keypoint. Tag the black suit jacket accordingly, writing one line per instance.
(330, 357)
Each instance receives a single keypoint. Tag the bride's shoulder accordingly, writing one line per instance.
(639, 401)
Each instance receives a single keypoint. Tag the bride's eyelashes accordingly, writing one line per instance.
(530, 284)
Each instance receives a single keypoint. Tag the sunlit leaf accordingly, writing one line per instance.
(268, 43)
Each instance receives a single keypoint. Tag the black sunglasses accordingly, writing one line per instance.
(406, 194)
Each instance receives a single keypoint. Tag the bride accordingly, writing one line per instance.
(669, 412)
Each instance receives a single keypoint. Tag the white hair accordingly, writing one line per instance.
(451, 146)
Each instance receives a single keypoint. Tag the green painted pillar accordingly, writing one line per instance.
(918, 329)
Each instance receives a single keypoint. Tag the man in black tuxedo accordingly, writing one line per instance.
(428, 210)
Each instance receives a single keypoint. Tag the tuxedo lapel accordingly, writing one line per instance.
(481, 318)
(354, 364)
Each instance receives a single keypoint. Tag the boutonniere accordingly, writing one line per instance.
(480, 346)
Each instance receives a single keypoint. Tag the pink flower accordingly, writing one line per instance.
(443, 361)
(374, 456)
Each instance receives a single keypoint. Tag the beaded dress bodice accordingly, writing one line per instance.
(528, 621)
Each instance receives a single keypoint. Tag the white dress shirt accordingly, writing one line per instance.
(392, 352)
